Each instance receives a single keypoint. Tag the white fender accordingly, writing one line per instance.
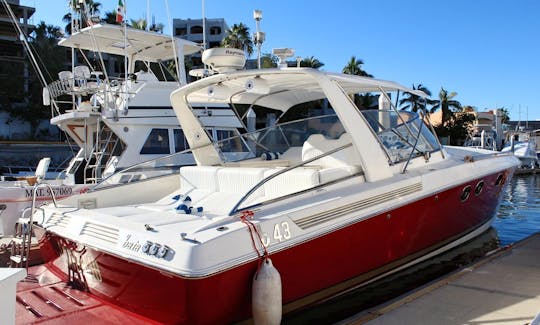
(266, 295)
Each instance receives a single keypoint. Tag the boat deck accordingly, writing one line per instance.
(503, 288)
(51, 301)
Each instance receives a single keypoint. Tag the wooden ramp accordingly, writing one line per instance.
(503, 288)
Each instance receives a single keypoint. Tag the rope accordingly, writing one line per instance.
(245, 217)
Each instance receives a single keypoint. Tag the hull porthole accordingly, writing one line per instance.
(479, 187)
(466, 193)
(499, 180)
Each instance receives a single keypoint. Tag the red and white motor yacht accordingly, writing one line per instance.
(333, 200)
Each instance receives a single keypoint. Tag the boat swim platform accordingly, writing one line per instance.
(501, 288)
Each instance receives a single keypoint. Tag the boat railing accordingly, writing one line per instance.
(20, 253)
(238, 206)
(67, 84)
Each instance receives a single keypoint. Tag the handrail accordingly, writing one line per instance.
(26, 253)
(282, 171)
(413, 148)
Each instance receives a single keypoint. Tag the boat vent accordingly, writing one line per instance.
(100, 232)
(316, 219)
(59, 220)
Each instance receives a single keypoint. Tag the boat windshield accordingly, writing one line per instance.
(403, 134)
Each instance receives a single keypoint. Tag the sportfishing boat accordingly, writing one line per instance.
(522, 144)
(330, 197)
(116, 122)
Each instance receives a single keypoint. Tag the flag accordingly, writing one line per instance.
(120, 12)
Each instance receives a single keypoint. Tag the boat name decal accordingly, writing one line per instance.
(281, 232)
(58, 191)
(131, 245)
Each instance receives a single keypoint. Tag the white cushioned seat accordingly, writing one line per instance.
(198, 181)
(340, 164)
(293, 181)
(331, 174)
(317, 144)
(232, 184)
(238, 179)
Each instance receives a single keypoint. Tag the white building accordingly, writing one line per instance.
(192, 30)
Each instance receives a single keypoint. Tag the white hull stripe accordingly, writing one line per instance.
(316, 219)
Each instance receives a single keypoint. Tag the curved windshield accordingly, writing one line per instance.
(271, 143)
(274, 141)
(402, 134)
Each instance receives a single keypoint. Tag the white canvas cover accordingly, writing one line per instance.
(141, 45)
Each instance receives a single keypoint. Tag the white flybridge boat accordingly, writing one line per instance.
(116, 122)
(335, 200)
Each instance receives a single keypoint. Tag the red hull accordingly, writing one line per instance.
(362, 250)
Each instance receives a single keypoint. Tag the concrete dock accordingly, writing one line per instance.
(502, 288)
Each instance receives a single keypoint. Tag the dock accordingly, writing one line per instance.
(527, 171)
(502, 288)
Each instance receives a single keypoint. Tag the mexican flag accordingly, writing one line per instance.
(120, 11)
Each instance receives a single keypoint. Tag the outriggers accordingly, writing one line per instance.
(333, 195)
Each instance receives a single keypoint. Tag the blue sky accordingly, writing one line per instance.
(486, 51)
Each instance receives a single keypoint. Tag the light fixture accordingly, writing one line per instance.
(259, 36)
(154, 249)
(162, 252)
(257, 85)
(218, 92)
(257, 14)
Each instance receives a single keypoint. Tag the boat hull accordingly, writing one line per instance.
(312, 270)
(17, 196)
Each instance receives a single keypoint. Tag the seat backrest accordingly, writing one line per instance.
(317, 144)
(42, 167)
(81, 72)
(65, 75)
(240, 179)
(199, 177)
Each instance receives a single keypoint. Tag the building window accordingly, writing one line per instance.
(157, 142)
(214, 44)
(215, 30)
(181, 31)
(180, 143)
(228, 142)
(196, 30)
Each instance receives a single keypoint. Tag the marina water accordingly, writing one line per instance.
(517, 218)
(519, 213)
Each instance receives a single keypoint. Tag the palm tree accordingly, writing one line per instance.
(446, 104)
(269, 61)
(354, 67)
(43, 40)
(138, 23)
(505, 115)
(238, 37)
(311, 62)
(110, 18)
(86, 10)
(415, 102)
